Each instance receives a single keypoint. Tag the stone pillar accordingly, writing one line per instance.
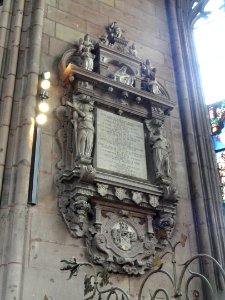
(10, 71)
(203, 183)
(17, 219)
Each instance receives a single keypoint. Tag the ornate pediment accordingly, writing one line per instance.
(114, 179)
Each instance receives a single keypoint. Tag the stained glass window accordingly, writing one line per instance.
(217, 122)
(210, 47)
(220, 157)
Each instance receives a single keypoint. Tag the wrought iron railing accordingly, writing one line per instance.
(95, 284)
(176, 281)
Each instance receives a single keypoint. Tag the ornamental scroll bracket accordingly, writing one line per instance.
(115, 187)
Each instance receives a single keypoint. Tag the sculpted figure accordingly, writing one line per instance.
(150, 83)
(103, 39)
(80, 45)
(122, 76)
(83, 120)
(85, 47)
(133, 50)
(114, 30)
(161, 149)
(85, 130)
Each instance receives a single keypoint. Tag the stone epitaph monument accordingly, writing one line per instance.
(114, 176)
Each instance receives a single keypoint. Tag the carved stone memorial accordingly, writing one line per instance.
(115, 187)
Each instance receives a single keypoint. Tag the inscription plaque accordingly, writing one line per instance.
(120, 145)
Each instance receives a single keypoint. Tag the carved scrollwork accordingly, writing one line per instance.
(170, 192)
(164, 226)
(74, 211)
(157, 110)
(87, 173)
(122, 242)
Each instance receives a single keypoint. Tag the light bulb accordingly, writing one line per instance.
(46, 75)
(41, 119)
(45, 84)
(43, 107)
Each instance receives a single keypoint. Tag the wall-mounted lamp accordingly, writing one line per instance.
(43, 106)
(41, 118)
(45, 84)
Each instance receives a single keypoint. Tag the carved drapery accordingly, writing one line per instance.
(115, 158)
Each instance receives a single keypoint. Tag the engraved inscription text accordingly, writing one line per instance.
(120, 145)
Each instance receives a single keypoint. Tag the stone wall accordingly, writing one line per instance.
(145, 23)
(47, 238)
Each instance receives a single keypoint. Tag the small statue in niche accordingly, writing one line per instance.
(83, 120)
(149, 83)
(133, 50)
(160, 151)
(121, 75)
(85, 47)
